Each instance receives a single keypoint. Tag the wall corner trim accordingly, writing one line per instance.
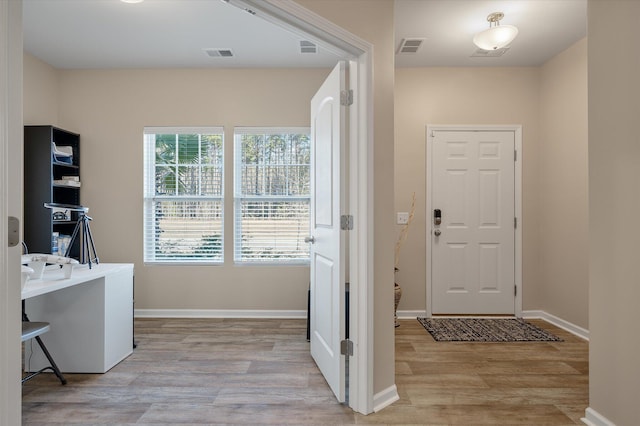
(385, 398)
(593, 418)
(558, 322)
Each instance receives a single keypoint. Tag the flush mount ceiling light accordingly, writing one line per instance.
(497, 36)
(131, 1)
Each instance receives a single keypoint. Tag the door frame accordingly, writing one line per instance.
(296, 18)
(11, 136)
(517, 130)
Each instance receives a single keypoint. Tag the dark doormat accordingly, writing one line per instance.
(485, 330)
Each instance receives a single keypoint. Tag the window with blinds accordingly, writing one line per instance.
(271, 196)
(183, 195)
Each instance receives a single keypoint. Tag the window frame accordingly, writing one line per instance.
(150, 197)
(239, 197)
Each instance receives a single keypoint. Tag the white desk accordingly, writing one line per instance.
(91, 317)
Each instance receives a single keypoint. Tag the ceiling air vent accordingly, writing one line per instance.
(219, 53)
(308, 47)
(495, 53)
(410, 45)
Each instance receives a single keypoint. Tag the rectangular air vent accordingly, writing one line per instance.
(410, 45)
(308, 47)
(496, 53)
(218, 53)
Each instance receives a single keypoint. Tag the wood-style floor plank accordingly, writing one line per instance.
(250, 371)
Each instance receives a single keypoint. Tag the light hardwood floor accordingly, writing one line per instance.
(241, 371)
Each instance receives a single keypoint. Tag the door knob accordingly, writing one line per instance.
(311, 240)
(437, 232)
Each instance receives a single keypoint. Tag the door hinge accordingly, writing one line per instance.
(515, 223)
(346, 222)
(346, 97)
(13, 231)
(515, 290)
(515, 155)
(346, 347)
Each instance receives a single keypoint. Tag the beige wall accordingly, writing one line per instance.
(40, 92)
(461, 96)
(550, 104)
(563, 278)
(614, 203)
(373, 22)
(110, 108)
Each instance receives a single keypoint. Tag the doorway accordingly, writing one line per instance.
(474, 214)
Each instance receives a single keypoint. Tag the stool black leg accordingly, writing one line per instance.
(54, 367)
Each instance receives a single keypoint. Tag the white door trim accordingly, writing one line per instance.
(294, 17)
(11, 135)
(517, 129)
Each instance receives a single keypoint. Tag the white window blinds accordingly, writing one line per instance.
(183, 195)
(271, 201)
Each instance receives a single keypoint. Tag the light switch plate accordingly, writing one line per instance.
(402, 218)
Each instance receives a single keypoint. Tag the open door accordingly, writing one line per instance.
(327, 319)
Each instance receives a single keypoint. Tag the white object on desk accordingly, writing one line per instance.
(38, 261)
(25, 275)
(91, 316)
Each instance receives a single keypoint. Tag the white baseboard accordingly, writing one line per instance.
(558, 322)
(411, 314)
(385, 398)
(593, 418)
(218, 313)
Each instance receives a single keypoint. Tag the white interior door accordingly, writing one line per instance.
(11, 135)
(327, 319)
(472, 261)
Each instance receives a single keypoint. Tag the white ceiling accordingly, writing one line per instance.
(173, 33)
(545, 28)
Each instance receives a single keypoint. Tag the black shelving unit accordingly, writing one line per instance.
(41, 169)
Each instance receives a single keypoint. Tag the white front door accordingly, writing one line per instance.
(327, 320)
(472, 222)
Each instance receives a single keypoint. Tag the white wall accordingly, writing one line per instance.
(614, 204)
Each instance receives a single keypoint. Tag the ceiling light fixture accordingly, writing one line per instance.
(497, 36)
(131, 1)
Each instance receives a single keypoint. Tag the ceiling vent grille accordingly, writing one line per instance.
(495, 53)
(410, 45)
(219, 53)
(308, 47)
